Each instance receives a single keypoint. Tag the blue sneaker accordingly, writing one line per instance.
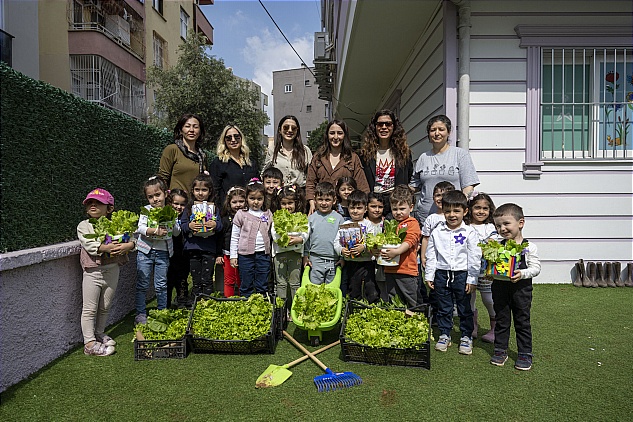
(443, 343)
(466, 346)
(523, 363)
(499, 358)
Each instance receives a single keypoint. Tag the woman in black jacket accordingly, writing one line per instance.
(386, 156)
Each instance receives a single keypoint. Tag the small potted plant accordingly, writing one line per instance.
(286, 225)
(390, 238)
(118, 228)
(201, 213)
(502, 261)
(164, 217)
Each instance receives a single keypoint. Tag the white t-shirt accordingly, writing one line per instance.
(385, 171)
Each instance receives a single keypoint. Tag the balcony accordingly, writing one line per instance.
(6, 42)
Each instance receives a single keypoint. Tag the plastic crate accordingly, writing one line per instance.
(355, 352)
(160, 349)
(264, 344)
(281, 319)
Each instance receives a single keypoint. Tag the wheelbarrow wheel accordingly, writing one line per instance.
(314, 341)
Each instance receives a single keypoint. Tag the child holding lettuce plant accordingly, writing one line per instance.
(289, 232)
(156, 225)
(100, 263)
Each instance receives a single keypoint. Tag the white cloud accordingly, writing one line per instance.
(268, 52)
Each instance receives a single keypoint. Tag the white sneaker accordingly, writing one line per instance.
(443, 343)
(466, 346)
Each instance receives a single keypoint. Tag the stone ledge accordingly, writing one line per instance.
(26, 257)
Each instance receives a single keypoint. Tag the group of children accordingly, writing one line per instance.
(240, 236)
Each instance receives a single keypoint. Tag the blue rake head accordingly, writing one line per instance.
(331, 381)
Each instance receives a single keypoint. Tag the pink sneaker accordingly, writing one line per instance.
(98, 349)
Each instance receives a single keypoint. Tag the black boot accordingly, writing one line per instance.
(601, 271)
(607, 276)
(579, 276)
(628, 281)
(617, 274)
(590, 279)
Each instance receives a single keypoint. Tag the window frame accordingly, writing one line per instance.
(287, 88)
(157, 39)
(157, 5)
(184, 14)
(309, 108)
(536, 37)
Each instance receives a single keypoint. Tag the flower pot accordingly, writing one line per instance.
(502, 271)
(388, 262)
(293, 248)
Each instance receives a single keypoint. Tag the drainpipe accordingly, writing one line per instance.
(463, 91)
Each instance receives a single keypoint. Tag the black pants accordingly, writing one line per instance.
(512, 301)
(177, 275)
(201, 264)
(361, 276)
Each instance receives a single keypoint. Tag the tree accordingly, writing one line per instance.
(200, 83)
(316, 137)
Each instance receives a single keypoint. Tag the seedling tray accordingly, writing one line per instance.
(355, 352)
(264, 344)
(159, 349)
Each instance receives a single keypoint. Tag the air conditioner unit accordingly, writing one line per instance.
(320, 42)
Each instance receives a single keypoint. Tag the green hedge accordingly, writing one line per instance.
(55, 148)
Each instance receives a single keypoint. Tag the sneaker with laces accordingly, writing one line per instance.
(466, 346)
(523, 363)
(98, 349)
(140, 319)
(105, 339)
(443, 343)
(499, 358)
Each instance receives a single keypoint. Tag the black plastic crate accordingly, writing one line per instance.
(355, 352)
(160, 349)
(264, 344)
(281, 318)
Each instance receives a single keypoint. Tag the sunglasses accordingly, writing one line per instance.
(288, 127)
(385, 124)
(237, 137)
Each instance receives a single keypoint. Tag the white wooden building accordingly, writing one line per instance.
(548, 89)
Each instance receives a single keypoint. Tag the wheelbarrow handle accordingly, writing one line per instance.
(304, 350)
(322, 349)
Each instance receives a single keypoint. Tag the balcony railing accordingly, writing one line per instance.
(117, 23)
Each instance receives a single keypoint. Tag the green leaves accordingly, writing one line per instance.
(389, 236)
(120, 222)
(285, 223)
(166, 324)
(160, 215)
(497, 253)
(378, 327)
(315, 305)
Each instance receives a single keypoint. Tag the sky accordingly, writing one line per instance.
(248, 41)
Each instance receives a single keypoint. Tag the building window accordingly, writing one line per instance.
(307, 82)
(580, 95)
(158, 6)
(288, 88)
(308, 133)
(184, 23)
(308, 109)
(160, 51)
(327, 110)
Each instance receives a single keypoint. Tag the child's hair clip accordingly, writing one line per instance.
(254, 180)
(279, 190)
(206, 173)
(152, 178)
(293, 188)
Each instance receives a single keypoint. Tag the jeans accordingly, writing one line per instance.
(450, 288)
(158, 262)
(512, 302)
(254, 270)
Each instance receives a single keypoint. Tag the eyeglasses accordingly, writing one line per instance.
(237, 137)
(289, 128)
(385, 124)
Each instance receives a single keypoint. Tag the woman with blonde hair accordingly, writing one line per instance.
(232, 166)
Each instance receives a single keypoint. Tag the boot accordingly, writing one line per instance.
(607, 275)
(601, 274)
(590, 278)
(489, 337)
(616, 271)
(628, 281)
(475, 325)
(580, 274)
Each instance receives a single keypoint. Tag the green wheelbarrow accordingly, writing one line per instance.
(316, 336)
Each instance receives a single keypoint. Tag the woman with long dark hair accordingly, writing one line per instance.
(288, 153)
(334, 159)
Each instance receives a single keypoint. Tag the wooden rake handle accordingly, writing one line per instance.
(306, 357)
(306, 351)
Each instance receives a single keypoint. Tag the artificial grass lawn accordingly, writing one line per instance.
(582, 371)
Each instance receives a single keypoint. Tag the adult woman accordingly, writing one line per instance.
(183, 160)
(442, 163)
(385, 155)
(333, 160)
(288, 153)
(232, 166)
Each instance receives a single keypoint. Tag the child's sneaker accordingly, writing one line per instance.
(443, 343)
(105, 339)
(523, 363)
(140, 319)
(98, 349)
(466, 346)
(499, 358)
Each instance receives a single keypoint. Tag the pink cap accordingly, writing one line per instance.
(100, 195)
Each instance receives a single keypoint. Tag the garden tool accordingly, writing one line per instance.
(617, 274)
(580, 273)
(607, 274)
(628, 281)
(601, 271)
(330, 381)
(276, 375)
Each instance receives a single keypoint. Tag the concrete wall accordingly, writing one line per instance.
(40, 307)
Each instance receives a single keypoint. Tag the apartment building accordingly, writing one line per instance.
(99, 49)
(295, 92)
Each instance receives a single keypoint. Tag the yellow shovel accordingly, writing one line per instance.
(275, 375)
